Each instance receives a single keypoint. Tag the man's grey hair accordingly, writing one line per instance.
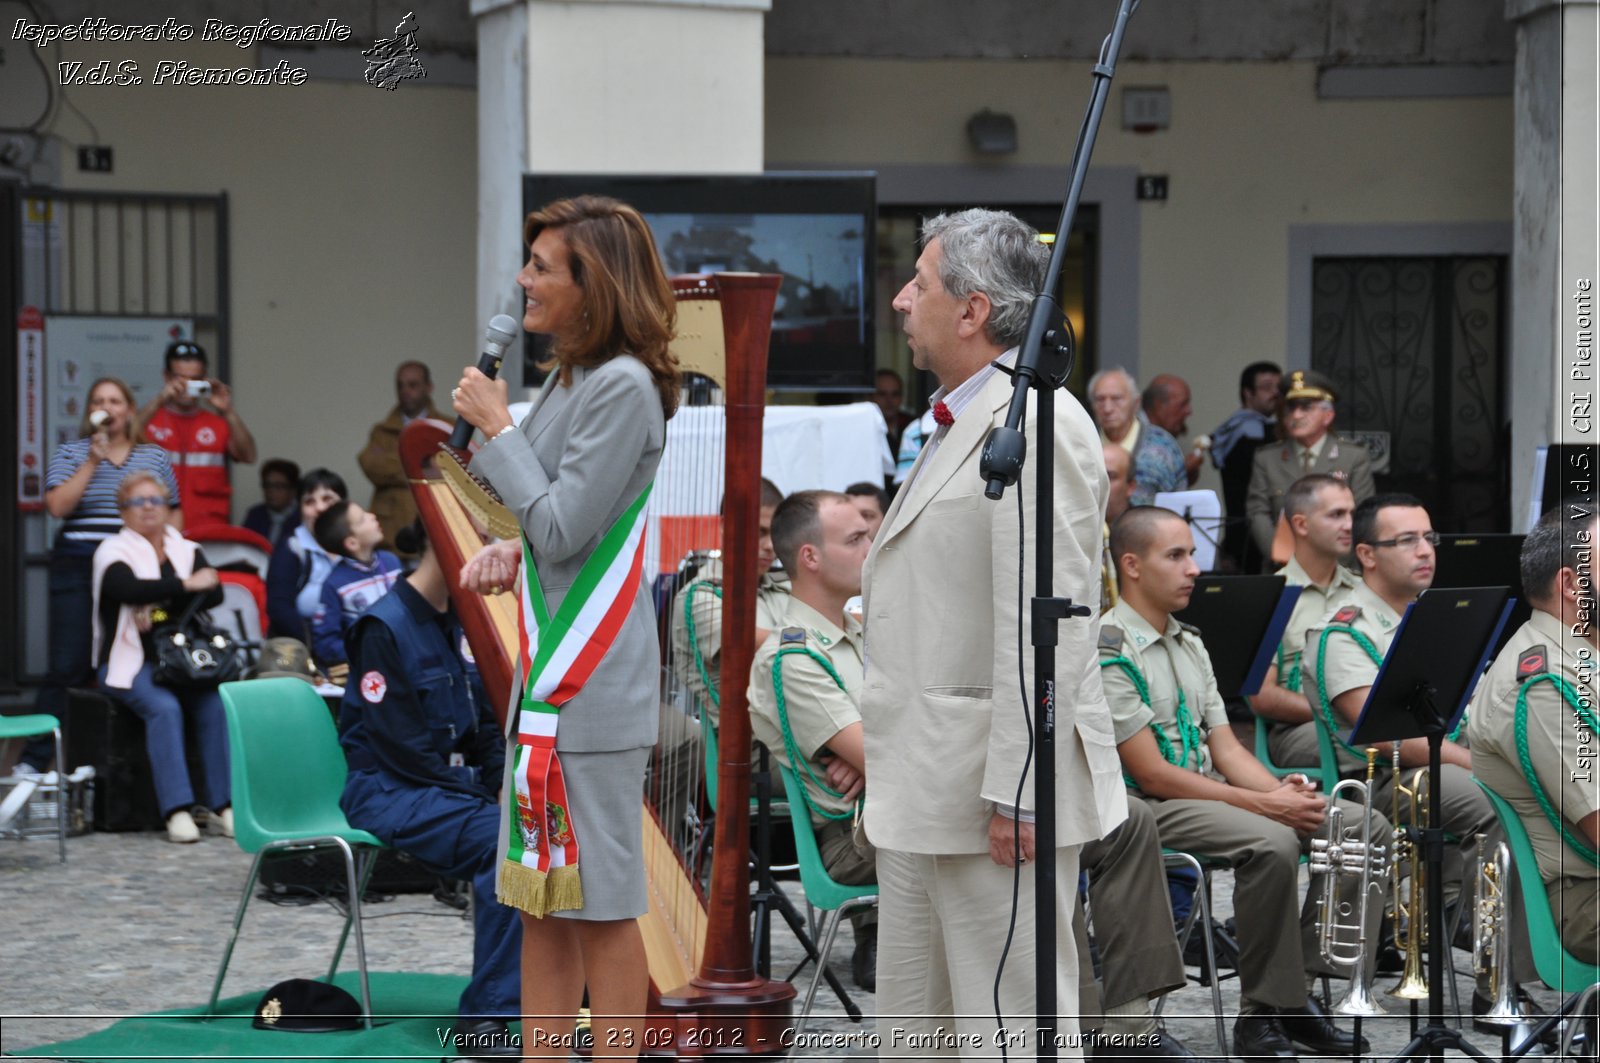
(1116, 370)
(995, 253)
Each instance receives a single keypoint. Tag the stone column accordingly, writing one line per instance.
(606, 86)
(1556, 257)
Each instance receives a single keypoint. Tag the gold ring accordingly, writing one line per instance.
(455, 393)
(496, 589)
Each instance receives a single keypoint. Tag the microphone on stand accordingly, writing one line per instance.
(496, 338)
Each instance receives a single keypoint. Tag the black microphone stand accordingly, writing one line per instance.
(1044, 362)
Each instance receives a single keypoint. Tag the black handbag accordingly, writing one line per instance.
(194, 654)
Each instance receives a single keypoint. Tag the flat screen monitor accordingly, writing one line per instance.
(818, 230)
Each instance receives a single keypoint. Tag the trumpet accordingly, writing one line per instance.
(1410, 916)
(1491, 940)
(1336, 853)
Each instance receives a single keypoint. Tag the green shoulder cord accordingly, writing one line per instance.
(694, 641)
(790, 746)
(1289, 678)
(1324, 706)
(1187, 731)
(1587, 718)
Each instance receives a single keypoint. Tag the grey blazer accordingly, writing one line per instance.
(581, 457)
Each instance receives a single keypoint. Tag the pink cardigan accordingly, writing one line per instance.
(134, 550)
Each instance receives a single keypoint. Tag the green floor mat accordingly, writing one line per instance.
(413, 1017)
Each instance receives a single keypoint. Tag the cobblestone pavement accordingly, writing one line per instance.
(133, 924)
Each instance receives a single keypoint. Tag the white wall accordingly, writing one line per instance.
(351, 227)
(1251, 153)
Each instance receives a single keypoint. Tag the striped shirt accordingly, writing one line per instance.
(96, 516)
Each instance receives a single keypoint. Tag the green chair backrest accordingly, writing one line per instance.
(1328, 757)
(287, 767)
(1557, 967)
(821, 890)
(1264, 754)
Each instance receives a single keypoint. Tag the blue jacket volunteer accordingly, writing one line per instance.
(426, 757)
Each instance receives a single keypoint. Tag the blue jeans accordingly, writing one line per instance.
(163, 709)
(71, 639)
(456, 834)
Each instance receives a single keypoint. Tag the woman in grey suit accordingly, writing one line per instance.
(577, 472)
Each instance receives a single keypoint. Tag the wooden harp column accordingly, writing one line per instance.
(727, 994)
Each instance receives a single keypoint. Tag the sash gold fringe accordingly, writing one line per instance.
(564, 891)
(523, 888)
(537, 892)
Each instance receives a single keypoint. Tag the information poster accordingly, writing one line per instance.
(81, 350)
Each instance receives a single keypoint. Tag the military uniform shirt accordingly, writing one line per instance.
(1278, 466)
(772, 599)
(1168, 660)
(817, 709)
(1313, 604)
(1561, 748)
(1346, 665)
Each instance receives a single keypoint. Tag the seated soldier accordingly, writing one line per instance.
(1318, 510)
(1394, 543)
(1538, 697)
(811, 721)
(426, 758)
(1139, 956)
(1209, 795)
(696, 621)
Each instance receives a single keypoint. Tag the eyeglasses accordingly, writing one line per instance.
(144, 502)
(1409, 540)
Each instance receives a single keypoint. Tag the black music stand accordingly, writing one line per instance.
(1493, 560)
(1242, 620)
(1439, 650)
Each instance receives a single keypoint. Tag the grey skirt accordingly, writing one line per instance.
(606, 792)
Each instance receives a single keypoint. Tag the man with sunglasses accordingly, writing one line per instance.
(1394, 544)
(1305, 420)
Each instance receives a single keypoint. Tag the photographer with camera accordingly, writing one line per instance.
(192, 418)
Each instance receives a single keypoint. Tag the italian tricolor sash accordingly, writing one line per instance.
(559, 653)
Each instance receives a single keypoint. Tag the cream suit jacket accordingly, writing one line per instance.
(942, 709)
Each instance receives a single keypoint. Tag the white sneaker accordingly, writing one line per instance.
(223, 821)
(181, 828)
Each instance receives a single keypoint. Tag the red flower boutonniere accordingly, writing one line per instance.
(942, 415)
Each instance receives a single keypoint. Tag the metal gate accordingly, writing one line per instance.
(95, 254)
(1416, 349)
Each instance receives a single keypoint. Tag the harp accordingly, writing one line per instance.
(705, 995)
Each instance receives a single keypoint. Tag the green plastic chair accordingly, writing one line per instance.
(1557, 967)
(43, 724)
(1317, 775)
(288, 773)
(777, 809)
(822, 892)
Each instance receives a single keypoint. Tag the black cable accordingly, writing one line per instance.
(1022, 780)
(44, 73)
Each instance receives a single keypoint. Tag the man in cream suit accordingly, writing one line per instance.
(946, 736)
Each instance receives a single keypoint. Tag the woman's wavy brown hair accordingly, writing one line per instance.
(628, 305)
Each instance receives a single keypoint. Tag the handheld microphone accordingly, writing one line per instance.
(98, 419)
(496, 338)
